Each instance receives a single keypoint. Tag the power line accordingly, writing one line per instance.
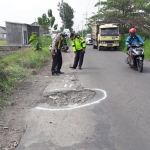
(92, 5)
(88, 5)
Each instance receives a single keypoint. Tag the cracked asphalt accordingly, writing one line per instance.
(120, 122)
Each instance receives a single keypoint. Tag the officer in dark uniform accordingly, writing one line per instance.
(56, 54)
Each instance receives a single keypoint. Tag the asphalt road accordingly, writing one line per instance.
(120, 122)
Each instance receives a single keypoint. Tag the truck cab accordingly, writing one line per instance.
(105, 35)
(108, 36)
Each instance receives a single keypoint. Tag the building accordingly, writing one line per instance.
(18, 34)
(2, 32)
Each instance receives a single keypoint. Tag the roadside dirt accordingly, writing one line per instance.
(27, 95)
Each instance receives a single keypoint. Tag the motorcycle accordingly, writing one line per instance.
(138, 57)
(65, 47)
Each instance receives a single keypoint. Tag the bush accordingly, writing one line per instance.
(36, 42)
(47, 40)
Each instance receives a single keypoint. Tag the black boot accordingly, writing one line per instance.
(72, 67)
(55, 74)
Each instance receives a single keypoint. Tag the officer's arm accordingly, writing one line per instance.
(73, 47)
(83, 42)
(55, 42)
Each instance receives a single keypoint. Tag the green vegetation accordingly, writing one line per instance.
(21, 65)
(47, 21)
(125, 12)
(66, 13)
(36, 42)
(3, 43)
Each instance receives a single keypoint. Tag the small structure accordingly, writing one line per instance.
(2, 32)
(18, 34)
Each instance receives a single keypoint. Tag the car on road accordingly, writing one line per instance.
(88, 39)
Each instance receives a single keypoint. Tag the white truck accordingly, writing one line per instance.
(88, 39)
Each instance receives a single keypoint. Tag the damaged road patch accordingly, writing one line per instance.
(72, 99)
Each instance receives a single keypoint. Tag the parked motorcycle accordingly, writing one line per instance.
(65, 46)
(138, 57)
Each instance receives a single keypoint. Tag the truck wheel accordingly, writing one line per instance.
(116, 48)
(94, 47)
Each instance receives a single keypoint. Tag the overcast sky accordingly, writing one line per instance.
(25, 11)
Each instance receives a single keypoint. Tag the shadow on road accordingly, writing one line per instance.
(146, 70)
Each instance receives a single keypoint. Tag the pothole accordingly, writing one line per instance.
(68, 98)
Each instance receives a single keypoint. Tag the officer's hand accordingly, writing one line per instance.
(53, 52)
(83, 50)
(75, 53)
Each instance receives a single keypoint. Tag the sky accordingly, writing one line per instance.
(26, 11)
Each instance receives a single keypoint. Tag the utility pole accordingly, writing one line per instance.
(82, 28)
(99, 7)
(86, 15)
(63, 14)
(78, 28)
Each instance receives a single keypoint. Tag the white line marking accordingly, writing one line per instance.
(70, 85)
(77, 107)
(65, 85)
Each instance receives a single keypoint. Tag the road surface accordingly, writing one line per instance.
(120, 122)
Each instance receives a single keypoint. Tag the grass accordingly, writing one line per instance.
(15, 67)
(3, 43)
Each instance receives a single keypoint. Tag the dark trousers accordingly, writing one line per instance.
(57, 62)
(78, 59)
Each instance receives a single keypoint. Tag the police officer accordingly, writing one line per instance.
(78, 45)
(56, 54)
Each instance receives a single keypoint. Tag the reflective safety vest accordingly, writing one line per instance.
(60, 42)
(78, 43)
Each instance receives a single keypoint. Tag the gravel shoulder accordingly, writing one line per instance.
(27, 95)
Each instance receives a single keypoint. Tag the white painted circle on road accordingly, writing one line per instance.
(76, 106)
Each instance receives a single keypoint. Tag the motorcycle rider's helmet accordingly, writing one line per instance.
(132, 30)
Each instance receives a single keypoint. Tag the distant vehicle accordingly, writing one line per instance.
(105, 35)
(54, 33)
(88, 39)
(68, 32)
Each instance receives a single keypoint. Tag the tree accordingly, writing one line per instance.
(47, 21)
(129, 13)
(66, 14)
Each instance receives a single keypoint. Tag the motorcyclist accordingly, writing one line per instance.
(133, 39)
